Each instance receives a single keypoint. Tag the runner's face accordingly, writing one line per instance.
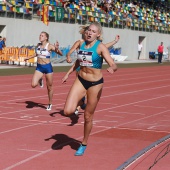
(42, 37)
(92, 33)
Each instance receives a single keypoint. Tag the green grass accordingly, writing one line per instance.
(20, 70)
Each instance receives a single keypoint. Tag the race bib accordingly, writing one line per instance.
(85, 58)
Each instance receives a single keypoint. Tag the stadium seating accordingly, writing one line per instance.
(143, 14)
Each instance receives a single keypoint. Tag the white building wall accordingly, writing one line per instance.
(19, 32)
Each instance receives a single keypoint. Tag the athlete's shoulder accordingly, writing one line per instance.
(101, 48)
(101, 45)
(50, 46)
(78, 43)
(81, 40)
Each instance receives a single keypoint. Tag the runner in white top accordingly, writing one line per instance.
(44, 65)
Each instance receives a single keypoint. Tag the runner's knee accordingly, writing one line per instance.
(68, 112)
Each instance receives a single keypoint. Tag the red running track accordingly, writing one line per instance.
(133, 113)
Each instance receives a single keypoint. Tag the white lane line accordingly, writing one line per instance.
(127, 113)
(150, 106)
(59, 75)
(29, 150)
(146, 117)
(131, 84)
(23, 127)
(136, 91)
(5, 107)
(23, 119)
(118, 94)
(32, 109)
(112, 116)
(34, 97)
(132, 103)
(31, 89)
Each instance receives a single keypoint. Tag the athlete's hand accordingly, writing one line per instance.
(117, 38)
(69, 60)
(56, 45)
(64, 79)
(112, 69)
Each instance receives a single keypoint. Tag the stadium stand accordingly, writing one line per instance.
(144, 15)
(141, 15)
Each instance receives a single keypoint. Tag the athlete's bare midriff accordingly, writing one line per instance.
(43, 60)
(90, 74)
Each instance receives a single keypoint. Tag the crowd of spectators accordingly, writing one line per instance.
(156, 11)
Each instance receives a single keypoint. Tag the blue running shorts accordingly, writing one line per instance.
(45, 68)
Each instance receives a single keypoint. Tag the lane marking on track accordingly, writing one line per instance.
(150, 106)
(23, 127)
(29, 150)
(128, 113)
(144, 82)
(146, 117)
(5, 107)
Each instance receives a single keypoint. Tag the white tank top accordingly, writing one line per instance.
(43, 52)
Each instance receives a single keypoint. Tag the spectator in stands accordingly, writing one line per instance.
(106, 6)
(21, 2)
(131, 4)
(88, 3)
(168, 20)
(127, 17)
(7, 3)
(66, 4)
(82, 3)
(139, 49)
(44, 66)
(160, 53)
(2, 43)
(94, 3)
(89, 80)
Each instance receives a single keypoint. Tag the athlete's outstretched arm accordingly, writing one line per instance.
(55, 48)
(73, 48)
(73, 68)
(110, 44)
(27, 58)
(106, 55)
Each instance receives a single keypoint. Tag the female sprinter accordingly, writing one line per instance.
(44, 65)
(90, 79)
(76, 67)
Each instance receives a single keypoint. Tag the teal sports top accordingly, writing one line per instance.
(89, 56)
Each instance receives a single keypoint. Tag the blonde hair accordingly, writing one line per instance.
(98, 25)
(83, 29)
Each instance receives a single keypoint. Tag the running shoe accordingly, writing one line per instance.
(80, 150)
(76, 112)
(41, 83)
(49, 107)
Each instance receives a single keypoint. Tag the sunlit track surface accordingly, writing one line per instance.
(132, 114)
